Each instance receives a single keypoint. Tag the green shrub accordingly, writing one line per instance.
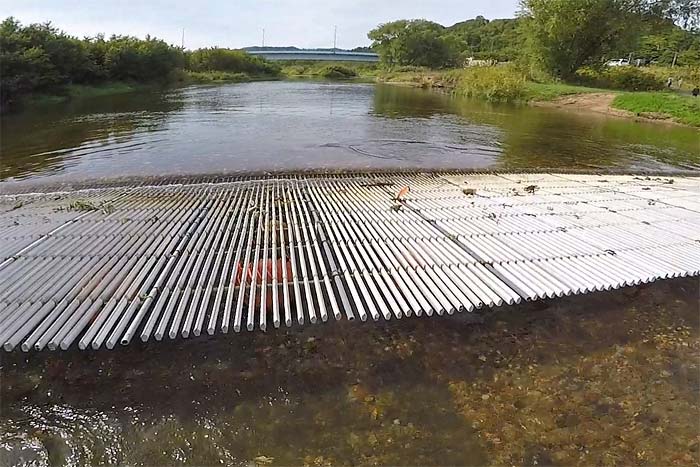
(294, 70)
(216, 76)
(625, 78)
(234, 61)
(337, 72)
(689, 74)
(40, 58)
(501, 84)
(409, 68)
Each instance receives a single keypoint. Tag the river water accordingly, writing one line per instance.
(289, 125)
(605, 379)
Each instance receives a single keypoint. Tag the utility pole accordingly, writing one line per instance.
(335, 37)
(182, 44)
(263, 42)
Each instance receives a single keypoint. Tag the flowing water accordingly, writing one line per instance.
(289, 125)
(604, 379)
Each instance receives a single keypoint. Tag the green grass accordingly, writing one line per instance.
(325, 69)
(494, 84)
(681, 108)
(551, 91)
(504, 84)
(202, 77)
(81, 91)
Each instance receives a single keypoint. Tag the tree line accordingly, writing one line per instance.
(41, 58)
(555, 36)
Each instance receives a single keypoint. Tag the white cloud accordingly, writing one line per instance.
(304, 23)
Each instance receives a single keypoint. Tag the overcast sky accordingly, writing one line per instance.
(239, 23)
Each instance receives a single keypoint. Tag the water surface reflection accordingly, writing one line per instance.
(293, 125)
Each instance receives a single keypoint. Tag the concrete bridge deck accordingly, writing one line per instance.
(100, 267)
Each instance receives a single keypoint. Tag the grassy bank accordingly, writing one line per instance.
(220, 77)
(330, 70)
(508, 84)
(661, 105)
(81, 91)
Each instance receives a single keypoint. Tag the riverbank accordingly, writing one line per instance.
(661, 107)
(491, 84)
(71, 92)
(222, 77)
(80, 91)
(497, 85)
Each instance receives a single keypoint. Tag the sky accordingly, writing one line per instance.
(239, 23)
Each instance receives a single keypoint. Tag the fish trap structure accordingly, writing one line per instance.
(101, 267)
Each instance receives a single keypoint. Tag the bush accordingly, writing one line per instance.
(216, 77)
(235, 61)
(689, 74)
(500, 84)
(294, 70)
(40, 58)
(625, 78)
(337, 72)
(131, 59)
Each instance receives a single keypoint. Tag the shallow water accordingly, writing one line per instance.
(605, 379)
(289, 125)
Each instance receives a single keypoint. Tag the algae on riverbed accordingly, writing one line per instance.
(610, 378)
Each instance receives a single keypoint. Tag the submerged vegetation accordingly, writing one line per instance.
(602, 379)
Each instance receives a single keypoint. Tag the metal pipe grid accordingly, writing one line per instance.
(101, 267)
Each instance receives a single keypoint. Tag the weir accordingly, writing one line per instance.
(101, 267)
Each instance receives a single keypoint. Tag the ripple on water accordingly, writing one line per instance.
(60, 435)
(315, 125)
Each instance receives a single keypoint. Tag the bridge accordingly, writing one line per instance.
(167, 259)
(316, 55)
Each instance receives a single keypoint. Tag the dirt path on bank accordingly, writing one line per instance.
(601, 103)
(594, 102)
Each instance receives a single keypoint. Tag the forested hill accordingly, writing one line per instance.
(426, 43)
(482, 38)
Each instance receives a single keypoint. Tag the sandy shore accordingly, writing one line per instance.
(601, 104)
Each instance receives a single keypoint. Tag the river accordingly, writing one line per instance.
(603, 379)
(291, 125)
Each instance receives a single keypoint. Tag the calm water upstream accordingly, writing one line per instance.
(604, 379)
(315, 125)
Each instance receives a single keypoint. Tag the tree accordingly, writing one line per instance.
(235, 61)
(39, 57)
(412, 42)
(564, 35)
(498, 39)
